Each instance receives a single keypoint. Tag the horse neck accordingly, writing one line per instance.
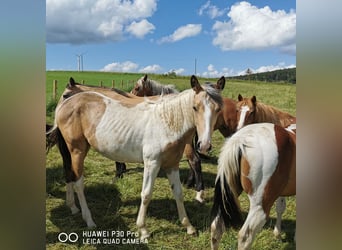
(158, 89)
(265, 113)
(176, 111)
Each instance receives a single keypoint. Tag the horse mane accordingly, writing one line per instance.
(158, 88)
(267, 113)
(173, 109)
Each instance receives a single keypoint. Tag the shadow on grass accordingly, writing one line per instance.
(288, 227)
(104, 202)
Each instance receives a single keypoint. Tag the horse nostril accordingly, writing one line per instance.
(198, 145)
(210, 147)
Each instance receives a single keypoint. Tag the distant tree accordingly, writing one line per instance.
(172, 73)
(249, 72)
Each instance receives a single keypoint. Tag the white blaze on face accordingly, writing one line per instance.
(244, 110)
(291, 128)
(205, 140)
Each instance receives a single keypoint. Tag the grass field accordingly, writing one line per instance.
(114, 202)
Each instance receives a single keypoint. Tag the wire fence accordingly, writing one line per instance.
(121, 84)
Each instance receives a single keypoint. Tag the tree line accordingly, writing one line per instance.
(282, 75)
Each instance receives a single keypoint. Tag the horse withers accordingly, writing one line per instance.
(259, 159)
(157, 138)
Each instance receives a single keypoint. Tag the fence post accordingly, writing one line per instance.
(100, 83)
(113, 84)
(122, 84)
(54, 90)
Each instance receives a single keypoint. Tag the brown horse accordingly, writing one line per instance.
(226, 123)
(250, 111)
(243, 166)
(157, 138)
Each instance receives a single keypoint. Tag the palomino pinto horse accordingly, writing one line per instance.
(259, 159)
(145, 87)
(249, 111)
(73, 88)
(226, 123)
(157, 138)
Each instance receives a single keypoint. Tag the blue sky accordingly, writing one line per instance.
(151, 36)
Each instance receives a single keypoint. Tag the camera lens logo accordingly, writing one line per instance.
(64, 237)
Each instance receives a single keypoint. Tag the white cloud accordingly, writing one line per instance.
(88, 21)
(213, 72)
(127, 66)
(252, 28)
(140, 29)
(177, 71)
(211, 10)
(182, 32)
(155, 68)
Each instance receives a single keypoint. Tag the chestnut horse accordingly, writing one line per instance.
(249, 111)
(259, 159)
(157, 138)
(226, 123)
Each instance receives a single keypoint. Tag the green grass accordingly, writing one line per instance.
(114, 202)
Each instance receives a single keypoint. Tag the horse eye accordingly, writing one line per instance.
(194, 108)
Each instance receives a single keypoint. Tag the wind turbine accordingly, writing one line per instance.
(80, 61)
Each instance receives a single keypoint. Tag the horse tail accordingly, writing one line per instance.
(51, 136)
(63, 149)
(228, 185)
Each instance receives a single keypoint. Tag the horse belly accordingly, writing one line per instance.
(118, 148)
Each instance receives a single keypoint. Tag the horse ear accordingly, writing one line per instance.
(220, 83)
(145, 78)
(72, 81)
(254, 100)
(240, 98)
(195, 84)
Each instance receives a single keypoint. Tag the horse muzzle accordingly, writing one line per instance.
(203, 148)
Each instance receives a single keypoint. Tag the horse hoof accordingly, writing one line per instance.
(74, 210)
(277, 234)
(144, 234)
(91, 224)
(191, 230)
(200, 196)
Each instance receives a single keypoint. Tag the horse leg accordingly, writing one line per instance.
(120, 169)
(70, 198)
(256, 219)
(77, 159)
(195, 171)
(280, 209)
(86, 215)
(174, 180)
(150, 175)
(216, 230)
(188, 151)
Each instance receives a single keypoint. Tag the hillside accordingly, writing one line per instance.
(283, 75)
